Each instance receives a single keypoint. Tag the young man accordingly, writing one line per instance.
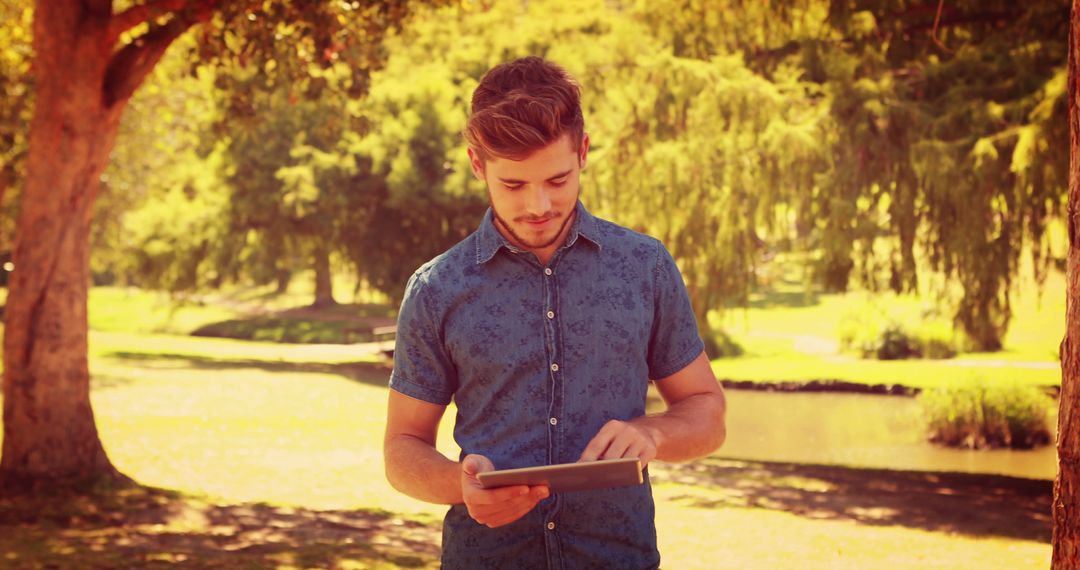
(545, 327)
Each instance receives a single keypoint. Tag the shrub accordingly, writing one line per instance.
(978, 415)
(720, 345)
(872, 332)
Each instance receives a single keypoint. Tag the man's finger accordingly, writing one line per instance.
(474, 464)
(498, 495)
(517, 508)
(494, 515)
(621, 443)
(599, 442)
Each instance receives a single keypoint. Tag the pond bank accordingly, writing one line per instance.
(839, 386)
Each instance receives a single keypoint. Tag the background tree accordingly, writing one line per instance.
(88, 61)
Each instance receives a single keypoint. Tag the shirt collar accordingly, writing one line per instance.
(489, 240)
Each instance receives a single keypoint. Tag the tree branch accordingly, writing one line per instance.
(130, 66)
(937, 22)
(136, 15)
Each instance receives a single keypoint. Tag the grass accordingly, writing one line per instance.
(790, 335)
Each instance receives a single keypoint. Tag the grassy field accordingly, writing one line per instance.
(787, 334)
(790, 335)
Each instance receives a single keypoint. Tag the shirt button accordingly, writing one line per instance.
(547, 271)
(551, 526)
(553, 421)
(551, 314)
(554, 367)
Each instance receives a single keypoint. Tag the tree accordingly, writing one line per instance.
(1066, 506)
(88, 61)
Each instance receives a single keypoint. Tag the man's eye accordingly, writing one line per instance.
(557, 183)
(512, 186)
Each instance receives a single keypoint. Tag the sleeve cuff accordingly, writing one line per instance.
(414, 390)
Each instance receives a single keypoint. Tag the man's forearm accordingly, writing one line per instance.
(692, 428)
(417, 469)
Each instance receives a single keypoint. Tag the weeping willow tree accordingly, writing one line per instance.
(707, 152)
(948, 116)
(938, 144)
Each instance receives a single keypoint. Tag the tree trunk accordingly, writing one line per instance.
(324, 287)
(49, 430)
(284, 277)
(82, 85)
(1066, 514)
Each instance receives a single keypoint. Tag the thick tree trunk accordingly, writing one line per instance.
(324, 287)
(82, 85)
(49, 431)
(1067, 486)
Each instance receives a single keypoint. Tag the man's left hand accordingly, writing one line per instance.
(619, 439)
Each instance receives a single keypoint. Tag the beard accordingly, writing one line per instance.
(533, 244)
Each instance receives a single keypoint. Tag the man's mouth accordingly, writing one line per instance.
(537, 224)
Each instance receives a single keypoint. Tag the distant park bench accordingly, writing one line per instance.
(385, 336)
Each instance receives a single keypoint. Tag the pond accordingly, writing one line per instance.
(859, 430)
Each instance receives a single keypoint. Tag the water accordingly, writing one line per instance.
(859, 430)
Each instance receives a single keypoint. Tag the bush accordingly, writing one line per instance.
(720, 345)
(870, 331)
(976, 415)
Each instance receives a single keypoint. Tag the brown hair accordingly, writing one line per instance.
(522, 106)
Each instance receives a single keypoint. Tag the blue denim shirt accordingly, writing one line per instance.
(538, 359)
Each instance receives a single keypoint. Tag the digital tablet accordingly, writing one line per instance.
(565, 477)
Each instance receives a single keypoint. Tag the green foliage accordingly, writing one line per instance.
(156, 216)
(16, 105)
(976, 414)
(850, 133)
(876, 328)
(418, 199)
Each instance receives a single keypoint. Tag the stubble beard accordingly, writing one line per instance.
(526, 242)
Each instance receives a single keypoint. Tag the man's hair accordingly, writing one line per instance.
(522, 106)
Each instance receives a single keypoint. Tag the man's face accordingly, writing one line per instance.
(533, 199)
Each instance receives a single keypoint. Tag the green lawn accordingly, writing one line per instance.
(789, 335)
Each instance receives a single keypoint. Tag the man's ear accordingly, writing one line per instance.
(476, 164)
(584, 154)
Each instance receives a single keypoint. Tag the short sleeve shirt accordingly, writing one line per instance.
(537, 358)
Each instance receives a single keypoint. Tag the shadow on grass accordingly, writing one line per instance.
(373, 373)
(790, 299)
(145, 527)
(967, 504)
(335, 324)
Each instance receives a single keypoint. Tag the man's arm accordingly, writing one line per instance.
(413, 465)
(691, 427)
(416, 468)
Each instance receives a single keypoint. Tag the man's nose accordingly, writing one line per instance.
(539, 202)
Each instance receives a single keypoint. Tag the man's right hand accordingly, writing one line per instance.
(500, 506)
